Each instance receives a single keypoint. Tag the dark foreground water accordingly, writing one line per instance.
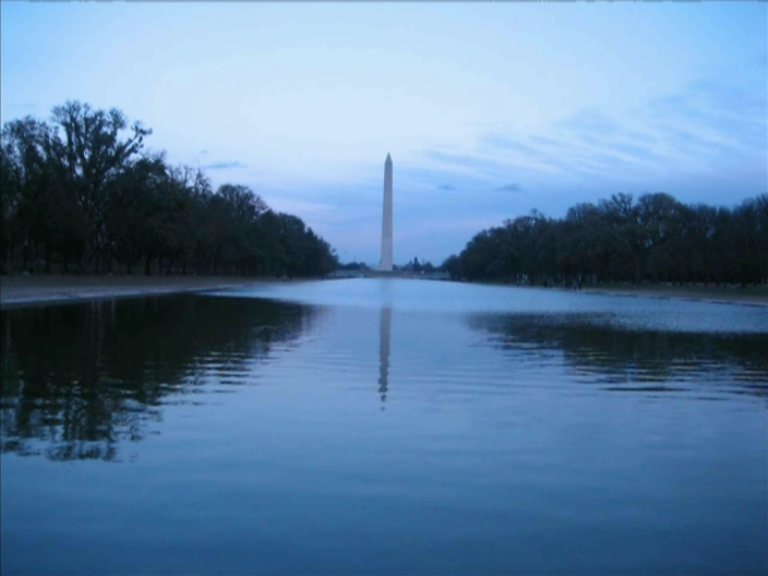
(385, 427)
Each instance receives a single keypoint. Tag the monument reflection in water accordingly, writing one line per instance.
(525, 431)
(385, 329)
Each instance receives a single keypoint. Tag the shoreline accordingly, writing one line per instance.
(751, 296)
(35, 290)
(40, 289)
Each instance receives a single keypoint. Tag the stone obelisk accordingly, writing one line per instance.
(386, 220)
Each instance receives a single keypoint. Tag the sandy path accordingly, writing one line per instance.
(754, 296)
(39, 289)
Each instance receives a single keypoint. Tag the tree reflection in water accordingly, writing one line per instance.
(625, 360)
(78, 380)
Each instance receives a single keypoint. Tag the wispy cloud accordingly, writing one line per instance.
(203, 152)
(701, 129)
(224, 165)
(502, 142)
(544, 141)
(510, 188)
(487, 161)
(590, 122)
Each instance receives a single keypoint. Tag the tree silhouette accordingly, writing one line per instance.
(655, 239)
(82, 193)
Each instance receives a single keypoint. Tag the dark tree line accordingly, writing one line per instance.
(653, 239)
(81, 194)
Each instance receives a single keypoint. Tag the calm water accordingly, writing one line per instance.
(385, 427)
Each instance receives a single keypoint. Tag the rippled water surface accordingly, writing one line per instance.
(385, 427)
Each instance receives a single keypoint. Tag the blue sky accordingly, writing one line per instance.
(488, 109)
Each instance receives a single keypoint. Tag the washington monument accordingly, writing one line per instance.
(386, 219)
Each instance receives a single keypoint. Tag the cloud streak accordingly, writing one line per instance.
(224, 165)
(707, 126)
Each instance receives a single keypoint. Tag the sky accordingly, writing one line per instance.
(489, 110)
